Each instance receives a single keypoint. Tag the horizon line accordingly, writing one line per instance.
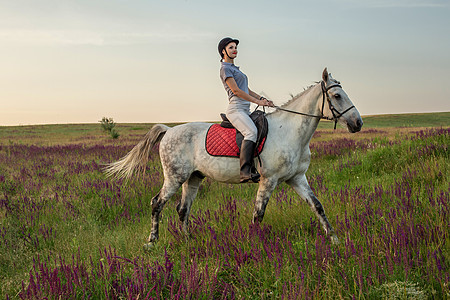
(210, 121)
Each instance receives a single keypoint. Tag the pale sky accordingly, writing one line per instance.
(66, 61)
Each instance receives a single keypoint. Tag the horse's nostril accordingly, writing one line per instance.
(359, 123)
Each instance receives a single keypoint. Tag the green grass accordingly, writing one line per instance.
(386, 195)
(81, 133)
(437, 119)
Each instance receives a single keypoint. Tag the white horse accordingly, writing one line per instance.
(285, 158)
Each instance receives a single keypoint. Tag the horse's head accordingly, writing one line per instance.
(337, 105)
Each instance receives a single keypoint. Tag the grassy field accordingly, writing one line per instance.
(66, 231)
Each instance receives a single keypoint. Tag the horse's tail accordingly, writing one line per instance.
(137, 158)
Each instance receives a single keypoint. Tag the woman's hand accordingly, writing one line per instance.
(265, 102)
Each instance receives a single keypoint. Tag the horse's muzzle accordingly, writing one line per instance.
(355, 126)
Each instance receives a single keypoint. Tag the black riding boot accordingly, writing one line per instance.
(248, 171)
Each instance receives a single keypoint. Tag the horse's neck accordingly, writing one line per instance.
(302, 127)
(307, 102)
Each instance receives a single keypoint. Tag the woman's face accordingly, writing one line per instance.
(231, 49)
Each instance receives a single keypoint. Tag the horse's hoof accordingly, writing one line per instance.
(334, 240)
(149, 246)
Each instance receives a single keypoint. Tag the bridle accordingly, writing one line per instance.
(325, 95)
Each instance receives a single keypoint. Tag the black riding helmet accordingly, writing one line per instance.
(224, 42)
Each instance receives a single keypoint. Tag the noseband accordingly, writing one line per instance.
(325, 95)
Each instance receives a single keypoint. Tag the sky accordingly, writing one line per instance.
(148, 61)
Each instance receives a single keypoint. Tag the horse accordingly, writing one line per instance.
(285, 158)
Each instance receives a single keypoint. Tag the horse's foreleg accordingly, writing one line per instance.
(301, 186)
(266, 187)
(190, 189)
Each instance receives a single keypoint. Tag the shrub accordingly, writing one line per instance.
(108, 125)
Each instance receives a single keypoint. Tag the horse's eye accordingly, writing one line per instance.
(337, 96)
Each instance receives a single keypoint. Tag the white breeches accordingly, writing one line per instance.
(242, 122)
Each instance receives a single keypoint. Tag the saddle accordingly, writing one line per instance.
(225, 140)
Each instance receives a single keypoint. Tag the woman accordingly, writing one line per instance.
(239, 97)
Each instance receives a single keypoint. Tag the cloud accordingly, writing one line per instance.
(401, 3)
(50, 37)
(84, 37)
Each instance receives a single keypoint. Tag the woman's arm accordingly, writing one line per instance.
(252, 97)
(253, 94)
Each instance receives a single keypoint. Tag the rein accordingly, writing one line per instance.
(334, 111)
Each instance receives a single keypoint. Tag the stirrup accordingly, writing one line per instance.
(253, 177)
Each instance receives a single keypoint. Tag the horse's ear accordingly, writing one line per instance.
(325, 75)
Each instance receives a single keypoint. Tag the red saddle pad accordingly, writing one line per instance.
(221, 141)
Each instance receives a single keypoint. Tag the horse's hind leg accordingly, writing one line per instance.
(301, 186)
(169, 188)
(190, 189)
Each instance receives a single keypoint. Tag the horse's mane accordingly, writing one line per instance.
(307, 90)
(304, 92)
